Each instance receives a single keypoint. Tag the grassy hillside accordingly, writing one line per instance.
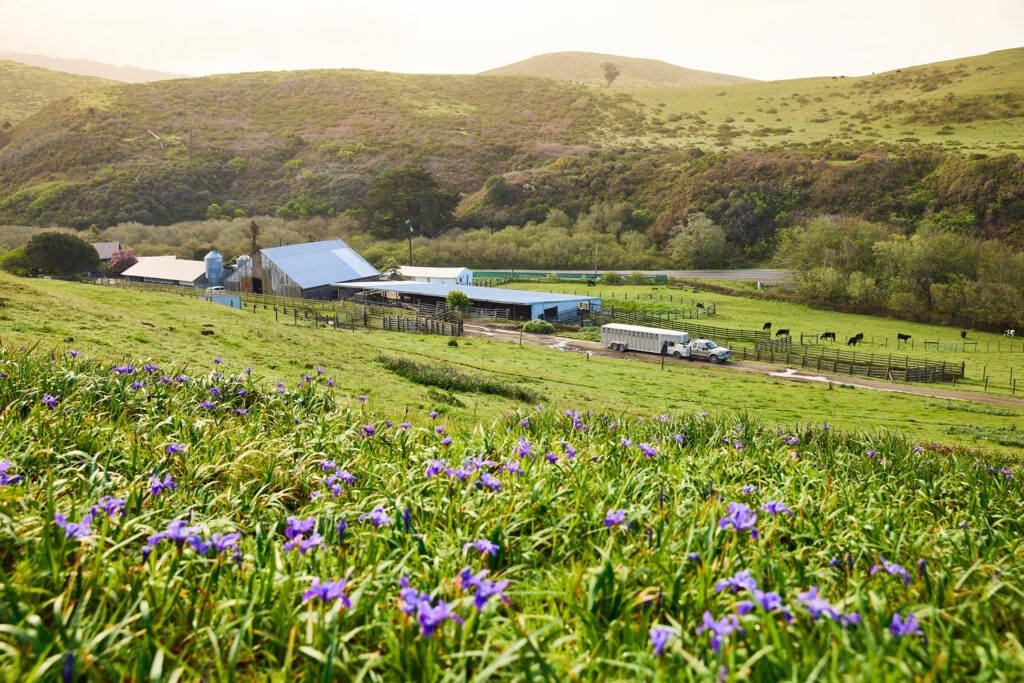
(111, 322)
(27, 89)
(585, 67)
(892, 147)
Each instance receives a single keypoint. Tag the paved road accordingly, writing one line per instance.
(780, 372)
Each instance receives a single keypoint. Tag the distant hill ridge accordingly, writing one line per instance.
(585, 67)
(26, 89)
(87, 67)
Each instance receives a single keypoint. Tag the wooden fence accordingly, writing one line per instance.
(876, 365)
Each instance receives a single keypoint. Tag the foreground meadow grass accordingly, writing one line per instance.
(171, 524)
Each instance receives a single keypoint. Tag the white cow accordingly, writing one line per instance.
(1010, 333)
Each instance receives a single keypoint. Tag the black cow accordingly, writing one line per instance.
(767, 326)
(852, 341)
(902, 337)
(828, 335)
(859, 336)
(700, 305)
(963, 334)
(779, 333)
(591, 283)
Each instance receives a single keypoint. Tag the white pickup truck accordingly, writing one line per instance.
(655, 340)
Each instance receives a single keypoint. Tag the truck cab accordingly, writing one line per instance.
(705, 349)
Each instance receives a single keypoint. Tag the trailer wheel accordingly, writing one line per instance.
(714, 360)
(678, 355)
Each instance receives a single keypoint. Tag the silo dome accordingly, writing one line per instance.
(214, 268)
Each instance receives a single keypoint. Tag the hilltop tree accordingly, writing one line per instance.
(61, 253)
(409, 194)
(611, 72)
(121, 260)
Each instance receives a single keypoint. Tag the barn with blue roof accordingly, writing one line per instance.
(300, 270)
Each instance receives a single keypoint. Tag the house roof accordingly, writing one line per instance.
(488, 294)
(320, 263)
(423, 271)
(167, 268)
(106, 249)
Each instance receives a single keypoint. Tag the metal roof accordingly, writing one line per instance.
(489, 294)
(106, 249)
(423, 271)
(320, 263)
(167, 268)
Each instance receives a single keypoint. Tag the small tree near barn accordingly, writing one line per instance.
(120, 261)
(457, 301)
(61, 253)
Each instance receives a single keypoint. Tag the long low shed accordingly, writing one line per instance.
(520, 304)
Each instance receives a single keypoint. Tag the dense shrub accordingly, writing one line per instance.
(538, 326)
(450, 379)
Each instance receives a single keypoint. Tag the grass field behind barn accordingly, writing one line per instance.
(112, 322)
(994, 356)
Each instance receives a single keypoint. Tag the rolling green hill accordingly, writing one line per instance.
(897, 146)
(27, 89)
(585, 67)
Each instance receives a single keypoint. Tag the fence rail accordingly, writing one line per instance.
(875, 365)
(720, 335)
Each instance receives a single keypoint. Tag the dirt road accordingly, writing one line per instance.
(781, 372)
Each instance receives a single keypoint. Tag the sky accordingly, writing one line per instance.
(764, 39)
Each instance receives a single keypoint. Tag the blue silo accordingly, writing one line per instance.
(214, 268)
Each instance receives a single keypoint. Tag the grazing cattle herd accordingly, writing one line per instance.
(859, 337)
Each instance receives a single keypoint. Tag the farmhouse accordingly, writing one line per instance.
(448, 276)
(300, 270)
(106, 249)
(513, 304)
(167, 270)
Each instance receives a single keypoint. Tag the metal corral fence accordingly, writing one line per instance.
(720, 335)
(504, 276)
(838, 361)
(326, 313)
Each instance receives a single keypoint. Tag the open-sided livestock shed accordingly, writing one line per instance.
(518, 304)
(300, 270)
(167, 270)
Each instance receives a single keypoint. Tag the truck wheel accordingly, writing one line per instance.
(714, 360)
(678, 355)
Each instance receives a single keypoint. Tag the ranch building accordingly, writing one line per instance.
(306, 271)
(167, 270)
(447, 276)
(106, 250)
(513, 304)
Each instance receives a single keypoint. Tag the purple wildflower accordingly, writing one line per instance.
(110, 505)
(910, 627)
(410, 597)
(299, 527)
(5, 478)
(774, 507)
(431, 617)
(378, 517)
(175, 448)
(739, 581)
(892, 569)
(741, 518)
(50, 400)
(490, 481)
(208, 405)
(719, 629)
(551, 457)
(435, 467)
(616, 517)
(769, 602)
(177, 532)
(432, 414)
(406, 519)
(483, 546)
(304, 545)
(74, 529)
(570, 452)
(514, 467)
(659, 638)
(446, 441)
(524, 448)
(342, 525)
(749, 489)
(368, 430)
(156, 487)
(346, 477)
(817, 606)
(325, 592)
(649, 451)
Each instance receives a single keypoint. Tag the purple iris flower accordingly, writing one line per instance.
(222, 542)
(892, 569)
(483, 546)
(74, 529)
(774, 507)
(462, 473)
(570, 452)
(910, 627)
(328, 465)
(817, 606)
(749, 489)
(615, 517)
(208, 405)
(362, 399)
(177, 532)
(50, 400)
(330, 383)
(304, 545)
(325, 592)
(405, 426)
(659, 638)
(406, 518)
(435, 467)
(432, 414)
(769, 602)
(110, 505)
(299, 527)
(137, 385)
(649, 451)
(625, 443)
(513, 467)
(342, 525)
(74, 354)
(432, 616)
(446, 441)
(739, 581)
(695, 557)
(156, 487)
(525, 422)
(217, 361)
(921, 567)
(741, 518)
(490, 481)
(346, 477)
(5, 478)
(552, 458)
(719, 629)
(150, 368)
(524, 447)
(378, 517)
(485, 588)
(175, 448)
(411, 597)
(215, 392)
(368, 430)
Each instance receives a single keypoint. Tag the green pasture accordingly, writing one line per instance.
(993, 357)
(114, 322)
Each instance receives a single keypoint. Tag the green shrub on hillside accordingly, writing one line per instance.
(538, 326)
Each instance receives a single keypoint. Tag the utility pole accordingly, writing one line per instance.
(595, 259)
(410, 241)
